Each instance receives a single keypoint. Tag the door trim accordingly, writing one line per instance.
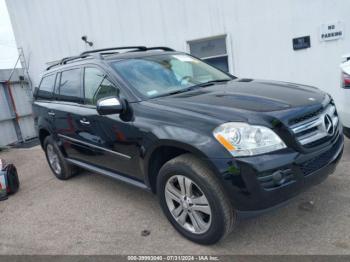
(94, 146)
(109, 174)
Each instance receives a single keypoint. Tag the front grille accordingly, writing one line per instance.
(305, 117)
(318, 162)
(323, 140)
(317, 127)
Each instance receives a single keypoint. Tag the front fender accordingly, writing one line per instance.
(198, 144)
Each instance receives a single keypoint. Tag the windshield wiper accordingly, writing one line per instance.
(177, 92)
(212, 82)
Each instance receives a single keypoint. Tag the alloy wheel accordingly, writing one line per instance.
(53, 159)
(188, 205)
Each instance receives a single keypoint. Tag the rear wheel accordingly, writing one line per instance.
(58, 164)
(194, 201)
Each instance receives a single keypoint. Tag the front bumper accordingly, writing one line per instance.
(260, 183)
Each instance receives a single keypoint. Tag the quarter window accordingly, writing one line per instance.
(97, 86)
(46, 87)
(212, 50)
(69, 88)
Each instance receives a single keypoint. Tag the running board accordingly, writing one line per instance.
(108, 173)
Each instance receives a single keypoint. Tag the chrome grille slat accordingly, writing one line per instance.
(310, 139)
(314, 129)
(306, 125)
(308, 135)
(335, 120)
(331, 110)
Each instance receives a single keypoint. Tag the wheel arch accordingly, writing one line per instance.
(161, 153)
(43, 133)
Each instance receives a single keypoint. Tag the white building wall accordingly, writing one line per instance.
(260, 32)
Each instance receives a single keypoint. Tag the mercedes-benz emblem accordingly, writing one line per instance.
(328, 124)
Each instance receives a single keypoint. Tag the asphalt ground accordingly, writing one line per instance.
(92, 214)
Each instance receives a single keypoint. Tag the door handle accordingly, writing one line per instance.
(50, 113)
(84, 121)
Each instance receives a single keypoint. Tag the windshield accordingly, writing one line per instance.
(164, 74)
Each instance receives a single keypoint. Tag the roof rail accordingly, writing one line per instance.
(67, 59)
(64, 60)
(139, 48)
(53, 65)
(164, 48)
(101, 52)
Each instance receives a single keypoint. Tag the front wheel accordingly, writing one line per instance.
(194, 201)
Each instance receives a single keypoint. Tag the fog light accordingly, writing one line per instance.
(280, 176)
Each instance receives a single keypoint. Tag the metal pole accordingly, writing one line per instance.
(13, 110)
(13, 69)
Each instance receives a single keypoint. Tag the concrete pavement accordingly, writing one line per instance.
(92, 214)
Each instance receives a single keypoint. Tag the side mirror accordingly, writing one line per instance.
(109, 106)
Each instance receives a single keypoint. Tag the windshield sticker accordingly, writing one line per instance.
(185, 58)
(152, 92)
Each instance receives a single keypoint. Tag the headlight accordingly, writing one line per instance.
(242, 139)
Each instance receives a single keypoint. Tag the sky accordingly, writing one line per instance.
(8, 49)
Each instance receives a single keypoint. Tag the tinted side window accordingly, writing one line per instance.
(57, 85)
(46, 87)
(69, 88)
(97, 86)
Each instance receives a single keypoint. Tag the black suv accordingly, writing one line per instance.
(213, 147)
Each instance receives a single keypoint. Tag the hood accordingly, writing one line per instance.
(244, 94)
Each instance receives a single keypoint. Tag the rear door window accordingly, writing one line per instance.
(70, 88)
(46, 87)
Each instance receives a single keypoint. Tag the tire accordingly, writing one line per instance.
(12, 179)
(187, 168)
(65, 170)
